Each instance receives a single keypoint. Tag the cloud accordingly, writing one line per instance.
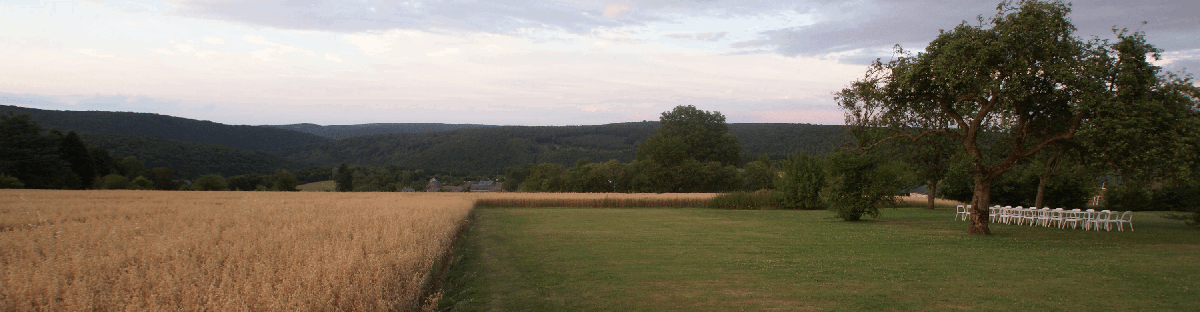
(615, 10)
(214, 40)
(707, 37)
(464, 16)
(33, 100)
(125, 102)
(872, 27)
(129, 23)
(271, 54)
(93, 53)
(333, 57)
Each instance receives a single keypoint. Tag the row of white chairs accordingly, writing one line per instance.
(1088, 219)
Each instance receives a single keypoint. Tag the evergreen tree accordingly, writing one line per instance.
(344, 178)
(75, 153)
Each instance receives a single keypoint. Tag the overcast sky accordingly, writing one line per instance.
(504, 62)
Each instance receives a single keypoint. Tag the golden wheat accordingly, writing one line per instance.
(223, 251)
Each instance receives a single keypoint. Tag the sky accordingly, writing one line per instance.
(500, 62)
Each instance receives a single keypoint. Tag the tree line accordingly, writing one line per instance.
(32, 157)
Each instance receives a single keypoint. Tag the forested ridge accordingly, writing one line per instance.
(338, 132)
(189, 158)
(488, 150)
(257, 138)
(201, 147)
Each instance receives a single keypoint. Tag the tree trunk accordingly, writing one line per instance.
(1037, 203)
(932, 193)
(979, 207)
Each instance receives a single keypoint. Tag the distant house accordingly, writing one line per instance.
(433, 186)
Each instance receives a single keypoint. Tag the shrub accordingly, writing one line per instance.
(210, 182)
(861, 184)
(141, 183)
(1127, 197)
(801, 184)
(10, 182)
(284, 180)
(114, 182)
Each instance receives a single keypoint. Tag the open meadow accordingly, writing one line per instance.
(911, 259)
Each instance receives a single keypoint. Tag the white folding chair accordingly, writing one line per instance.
(1126, 218)
(1028, 214)
(962, 211)
(1008, 214)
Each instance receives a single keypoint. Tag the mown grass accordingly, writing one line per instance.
(584, 259)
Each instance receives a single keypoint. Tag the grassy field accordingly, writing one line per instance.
(585, 259)
(223, 251)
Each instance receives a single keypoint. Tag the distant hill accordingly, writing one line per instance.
(199, 147)
(188, 158)
(256, 138)
(488, 150)
(339, 132)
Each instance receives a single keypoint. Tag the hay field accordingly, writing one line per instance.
(223, 251)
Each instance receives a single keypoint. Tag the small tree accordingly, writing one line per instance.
(760, 174)
(141, 183)
(284, 180)
(7, 182)
(861, 184)
(75, 153)
(344, 178)
(114, 182)
(802, 182)
(131, 166)
(210, 182)
(163, 178)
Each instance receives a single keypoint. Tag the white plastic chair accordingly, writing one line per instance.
(1056, 215)
(1028, 214)
(1088, 216)
(1009, 214)
(1043, 217)
(1073, 217)
(1102, 219)
(1126, 217)
(962, 211)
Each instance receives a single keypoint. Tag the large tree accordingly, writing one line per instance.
(687, 132)
(1004, 89)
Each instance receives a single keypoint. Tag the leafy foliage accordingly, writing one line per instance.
(210, 182)
(802, 181)
(32, 156)
(188, 158)
(1008, 88)
(284, 180)
(861, 184)
(689, 133)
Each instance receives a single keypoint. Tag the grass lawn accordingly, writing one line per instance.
(568, 259)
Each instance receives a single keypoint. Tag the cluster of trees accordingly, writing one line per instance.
(251, 138)
(31, 157)
(488, 151)
(1019, 98)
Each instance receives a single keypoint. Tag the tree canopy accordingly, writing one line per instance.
(1004, 89)
(690, 133)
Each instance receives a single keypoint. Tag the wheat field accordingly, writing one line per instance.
(223, 251)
